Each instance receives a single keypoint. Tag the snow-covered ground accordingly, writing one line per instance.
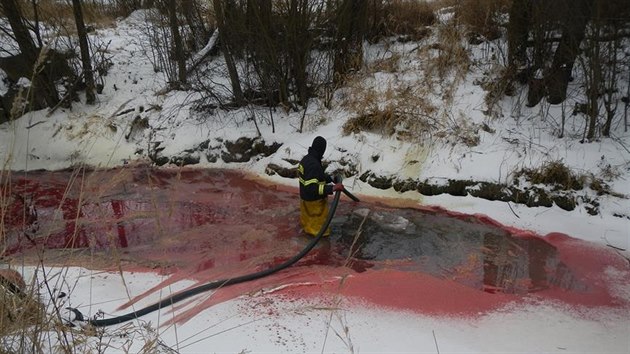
(263, 323)
(520, 137)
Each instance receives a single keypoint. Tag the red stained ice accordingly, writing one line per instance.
(207, 225)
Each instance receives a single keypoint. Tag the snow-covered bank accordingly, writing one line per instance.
(133, 123)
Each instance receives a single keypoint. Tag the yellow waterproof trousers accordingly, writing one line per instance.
(313, 215)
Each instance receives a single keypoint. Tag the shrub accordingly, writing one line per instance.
(102, 14)
(400, 17)
(482, 17)
(382, 121)
(554, 173)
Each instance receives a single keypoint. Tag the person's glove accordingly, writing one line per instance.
(338, 187)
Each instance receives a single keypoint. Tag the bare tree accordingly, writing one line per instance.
(265, 51)
(613, 29)
(35, 26)
(178, 48)
(546, 39)
(88, 73)
(302, 15)
(351, 27)
(573, 30)
(221, 9)
(601, 66)
(518, 32)
(30, 52)
(199, 33)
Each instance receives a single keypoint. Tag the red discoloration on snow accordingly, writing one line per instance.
(411, 291)
(425, 294)
(589, 262)
(317, 276)
(207, 225)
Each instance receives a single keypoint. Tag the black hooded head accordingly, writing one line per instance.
(318, 147)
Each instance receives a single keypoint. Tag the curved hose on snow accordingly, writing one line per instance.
(219, 283)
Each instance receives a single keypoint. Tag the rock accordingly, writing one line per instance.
(187, 158)
(380, 182)
(243, 149)
(285, 172)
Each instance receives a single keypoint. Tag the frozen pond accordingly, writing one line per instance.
(212, 224)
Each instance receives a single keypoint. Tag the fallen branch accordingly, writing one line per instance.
(203, 53)
(120, 108)
(436, 343)
(508, 203)
(126, 111)
(34, 124)
(615, 247)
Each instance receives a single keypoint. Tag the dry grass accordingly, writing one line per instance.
(100, 15)
(401, 17)
(554, 173)
(387, 65)
(561, 177)
(451, 57)
(409, 14)
(406, 110)
(471, 20)
(19, 306)
(383, 121)
(22, 315)
(482, 16)
(406, 113)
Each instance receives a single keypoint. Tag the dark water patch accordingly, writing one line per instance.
(471, 253)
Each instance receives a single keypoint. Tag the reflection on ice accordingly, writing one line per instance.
(471, 253)
(390, 222)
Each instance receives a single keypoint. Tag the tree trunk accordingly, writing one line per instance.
(38, 35)
(592, 113)
(262, 48)
(610, 115)
(351, 26)
(627, 103)
(88, 74)
(178, 48)
(237, 92)
(572, 35)
(31, 53)
(612, 70)
(300, 43)
(518, 32)
(194, 20)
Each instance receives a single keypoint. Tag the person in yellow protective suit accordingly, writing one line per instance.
(315, 186)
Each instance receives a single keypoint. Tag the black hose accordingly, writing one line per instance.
(350, 195)
(219, 283)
